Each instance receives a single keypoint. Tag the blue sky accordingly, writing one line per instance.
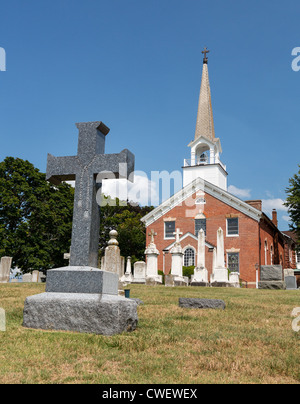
(136, 65)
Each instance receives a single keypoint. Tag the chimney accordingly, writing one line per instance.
(257, 203)
(274, 217)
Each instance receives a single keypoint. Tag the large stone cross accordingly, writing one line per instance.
(83, 168)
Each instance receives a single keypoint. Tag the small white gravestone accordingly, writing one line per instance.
(234, 279)
(139, 272)
(27, 278)
(2, 320)
(5, 266)
(35, 276)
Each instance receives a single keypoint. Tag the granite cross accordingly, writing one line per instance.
(83, 168)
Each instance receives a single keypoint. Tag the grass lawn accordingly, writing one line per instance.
(251, 341)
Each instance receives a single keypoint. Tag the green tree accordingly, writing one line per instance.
(125, 218)
(35, 216)
(293, 203)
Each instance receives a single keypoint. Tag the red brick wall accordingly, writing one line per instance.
(270, 235)
(216, 213)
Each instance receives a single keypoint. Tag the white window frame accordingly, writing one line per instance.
(233, 252)
(232, 235)
(165, 236)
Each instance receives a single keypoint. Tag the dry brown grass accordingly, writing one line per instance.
(251, 341)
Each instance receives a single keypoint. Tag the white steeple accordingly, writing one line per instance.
(205, 148)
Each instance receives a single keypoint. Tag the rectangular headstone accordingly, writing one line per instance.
(5, 267)
(271, 273)
(288, 272)
(35, 276)
(2, 320)
(81, 280)
(291, 282)
(139, 272)
(27, 278)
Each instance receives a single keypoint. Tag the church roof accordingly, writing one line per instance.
(205, 120)
(201, 185)
(186, 235)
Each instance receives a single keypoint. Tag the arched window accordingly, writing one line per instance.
(189, 257)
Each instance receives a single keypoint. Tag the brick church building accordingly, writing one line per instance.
(251, 238)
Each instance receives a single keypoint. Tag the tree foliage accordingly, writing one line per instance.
(293, 203)
(125, 218)
(36, 219)
(35, 216)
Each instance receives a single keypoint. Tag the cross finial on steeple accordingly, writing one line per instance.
(205, 51)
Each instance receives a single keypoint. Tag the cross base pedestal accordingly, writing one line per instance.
(64, 305)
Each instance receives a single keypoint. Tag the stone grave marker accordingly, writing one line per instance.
(291, 282)
(5, 266)
(152, 253)
(200, 277)
(81, 297)
(177, 261)
(27, 278)
(2, 320)
(139, 272)
(112, 261)
(271, 277)
(35, 276)
(195, 303)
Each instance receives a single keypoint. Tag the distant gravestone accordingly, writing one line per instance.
(2, 320)
(27, 278)
(169, 280)
(81, 297)
(152, 253)
(139, 272)
(194, 303)
(271, 277)
(177, 261)
(35, 276)
(220, 273)
(5, 266)
(291, 282)
(271, 273)
(127, 277)
(112, 257)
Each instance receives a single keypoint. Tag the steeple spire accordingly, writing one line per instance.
(205, 121)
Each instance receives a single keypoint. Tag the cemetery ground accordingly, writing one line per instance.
(251, 341)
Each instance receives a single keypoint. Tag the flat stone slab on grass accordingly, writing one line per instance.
(195, 303)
